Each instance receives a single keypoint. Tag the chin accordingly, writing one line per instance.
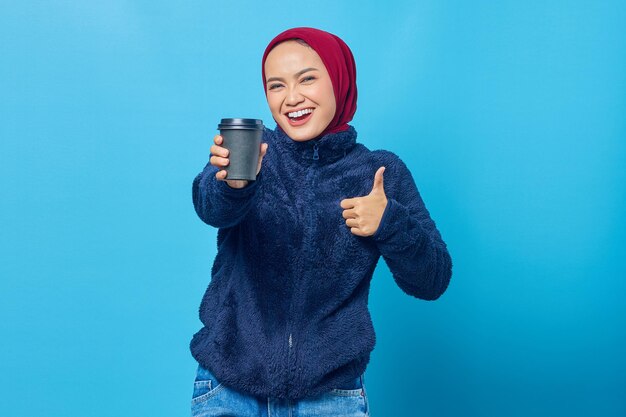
(299, 134)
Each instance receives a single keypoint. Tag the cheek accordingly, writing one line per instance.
(273, 105)
(330, 99)
(331, 107)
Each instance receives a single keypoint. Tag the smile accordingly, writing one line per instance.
(301, 117)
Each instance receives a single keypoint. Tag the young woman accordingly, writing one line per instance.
(287, 330)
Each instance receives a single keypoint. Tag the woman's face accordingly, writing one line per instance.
(293, 85)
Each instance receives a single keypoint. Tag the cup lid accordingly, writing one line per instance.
(239, 123)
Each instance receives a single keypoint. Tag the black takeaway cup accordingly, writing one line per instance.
(242, 138)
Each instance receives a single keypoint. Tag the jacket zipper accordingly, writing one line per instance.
(290, 354)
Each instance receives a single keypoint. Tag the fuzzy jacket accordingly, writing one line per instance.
(286, 312)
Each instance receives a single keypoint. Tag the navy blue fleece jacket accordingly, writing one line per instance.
(286, 312)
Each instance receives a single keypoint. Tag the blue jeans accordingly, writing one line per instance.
(212, 399)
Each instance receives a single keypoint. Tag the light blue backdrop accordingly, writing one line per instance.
(511, 116)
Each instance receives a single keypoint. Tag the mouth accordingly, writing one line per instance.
(301, 119)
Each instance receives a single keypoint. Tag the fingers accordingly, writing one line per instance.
(237, 183)
(349, 214)
(264, 147)
(263, 151)
(357, 231)
(221, 174)
(217, 149)
(219, 157)
(218, 161)
(348, 202)
(352, 223)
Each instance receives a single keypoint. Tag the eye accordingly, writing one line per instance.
(308, 78)
(274, 86)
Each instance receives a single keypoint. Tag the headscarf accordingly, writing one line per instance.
(339, 63)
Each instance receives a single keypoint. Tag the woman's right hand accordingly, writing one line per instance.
(219, 159)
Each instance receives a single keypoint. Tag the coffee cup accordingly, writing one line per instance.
(242, 138)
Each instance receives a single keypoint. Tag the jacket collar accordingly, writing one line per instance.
(322, 150)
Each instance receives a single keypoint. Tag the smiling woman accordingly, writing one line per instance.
(286, 323)
(299, 90)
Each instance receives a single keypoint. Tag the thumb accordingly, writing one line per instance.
(264, 147)
(378, 180)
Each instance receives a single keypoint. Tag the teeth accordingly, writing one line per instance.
(300, 113)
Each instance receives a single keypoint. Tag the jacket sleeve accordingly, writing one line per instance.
(218, 204)
(408, 239)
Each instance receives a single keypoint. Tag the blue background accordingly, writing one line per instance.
(510, 115)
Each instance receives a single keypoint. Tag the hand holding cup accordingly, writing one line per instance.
(219, 159)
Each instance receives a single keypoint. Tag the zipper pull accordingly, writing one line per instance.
(290, 343)
(316, 155)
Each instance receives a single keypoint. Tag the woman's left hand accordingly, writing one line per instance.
(363, 214)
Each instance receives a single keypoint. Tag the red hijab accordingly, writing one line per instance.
(339, 63)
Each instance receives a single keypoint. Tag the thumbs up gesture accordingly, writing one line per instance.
(363, 214)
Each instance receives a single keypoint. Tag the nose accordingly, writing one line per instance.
(293, 96)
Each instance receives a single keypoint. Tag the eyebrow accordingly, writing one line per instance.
(297, 74)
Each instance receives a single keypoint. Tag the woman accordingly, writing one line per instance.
(286, 322)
